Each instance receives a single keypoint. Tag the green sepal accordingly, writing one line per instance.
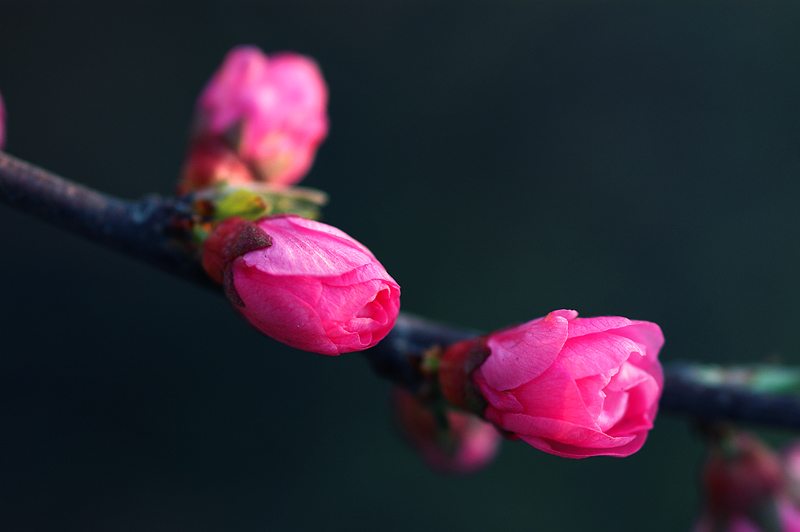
(257, 200)
(243, 203)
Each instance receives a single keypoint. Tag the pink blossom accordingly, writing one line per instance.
(465, 445)
(271, 110)
(568, 386)
(303, 283)
(2, 123)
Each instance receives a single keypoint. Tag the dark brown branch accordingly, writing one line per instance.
(150, 229)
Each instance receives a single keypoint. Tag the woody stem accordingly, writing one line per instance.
(149, 229)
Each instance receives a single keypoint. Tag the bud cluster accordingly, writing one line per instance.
(257, 127)
(568, 386)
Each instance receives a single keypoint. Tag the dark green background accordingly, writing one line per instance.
(502, 159)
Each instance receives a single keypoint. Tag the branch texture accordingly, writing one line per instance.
(149, 229)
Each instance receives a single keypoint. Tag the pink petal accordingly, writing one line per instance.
(524, 352)
(583, 326)
(503, 401)
(789, 515)
(613, 410)
(554, 394)
(596, 354)
(592, 391)
(306, 247)
(649, 336)
(276, 310)
(566, 439)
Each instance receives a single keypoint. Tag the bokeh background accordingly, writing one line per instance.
(502, 159)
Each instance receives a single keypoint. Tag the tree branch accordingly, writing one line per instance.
(151, 230)
(148, 229)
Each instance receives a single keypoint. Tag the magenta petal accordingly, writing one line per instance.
(306, 247)
(789, 515)
(627, 377)
(614, 408)
(554, 394)
(524, 352)
(579, 437)
(593, 393)
(583, 326)
(594, 354)
(281, 314)
(502, 401)
(643, 399)
(570, 451)
(646, 334)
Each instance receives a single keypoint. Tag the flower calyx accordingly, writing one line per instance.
(232, 238)
(456, 365)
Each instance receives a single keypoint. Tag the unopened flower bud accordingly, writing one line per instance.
(455, 443)
(303, 283)
(568, 386)
(270, 110)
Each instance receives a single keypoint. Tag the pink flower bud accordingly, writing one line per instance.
(568, 386)
(465, 445)
(270, 110)
(2, 123)
(303, 283)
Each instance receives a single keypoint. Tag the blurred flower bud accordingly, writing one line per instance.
(457, 443)
(269, 110)
(791, 469)
(745, 489)
(568, 386)
(303, 283)
(211, 161)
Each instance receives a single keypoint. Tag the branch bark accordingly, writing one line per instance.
(150, 230)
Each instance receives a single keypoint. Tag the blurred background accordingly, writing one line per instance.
(502, 159)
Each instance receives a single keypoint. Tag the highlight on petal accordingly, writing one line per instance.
(524, 352)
